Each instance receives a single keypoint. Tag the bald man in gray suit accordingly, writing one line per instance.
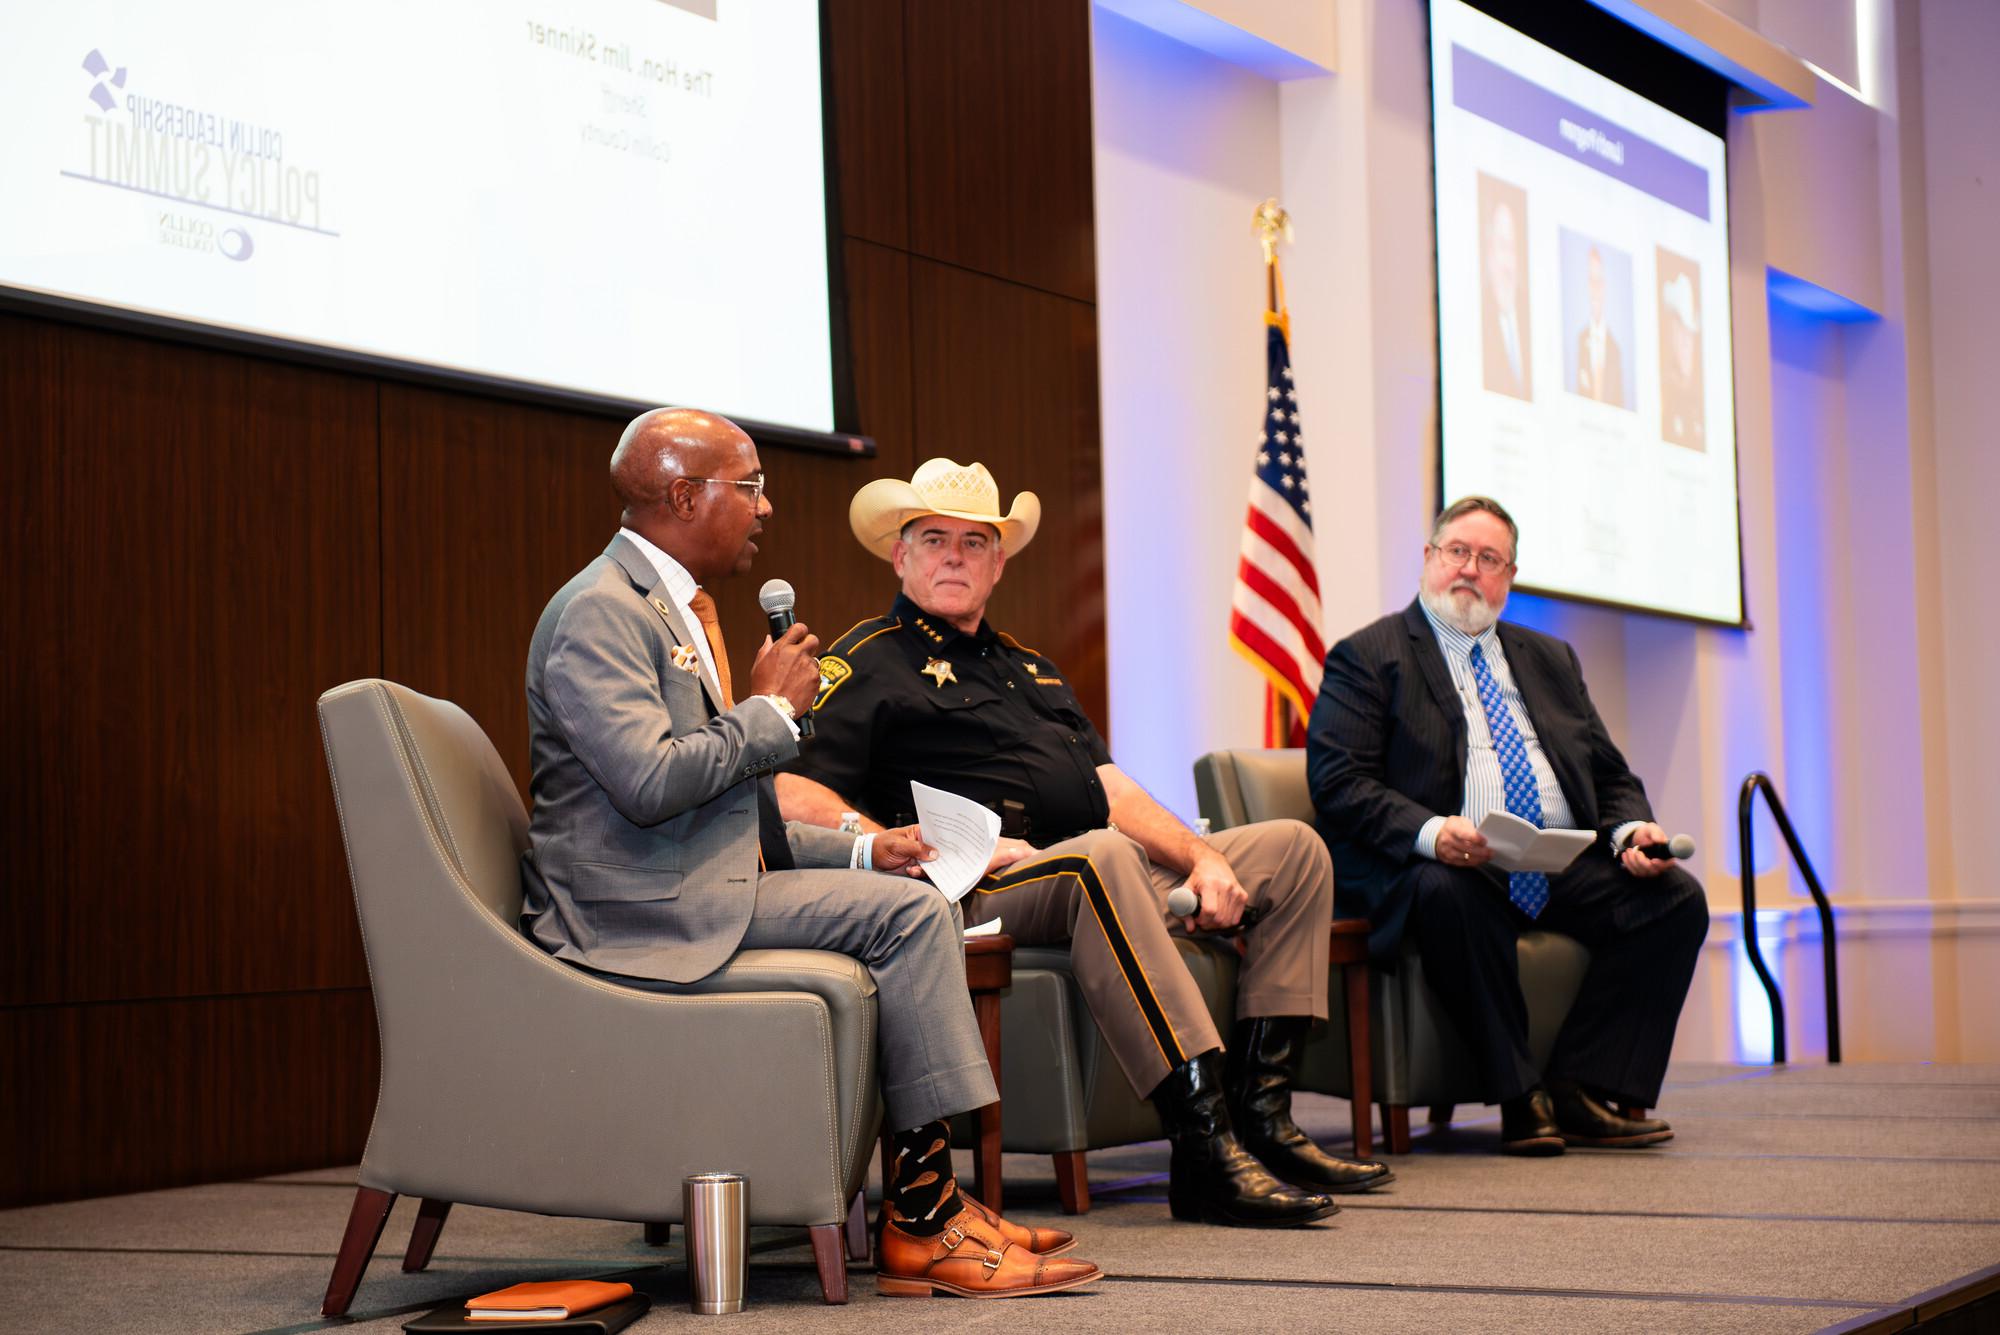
(656, 852)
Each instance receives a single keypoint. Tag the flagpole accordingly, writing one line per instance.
(1274, 607)
(1270, 223)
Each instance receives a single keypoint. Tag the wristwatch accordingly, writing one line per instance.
(784, 707)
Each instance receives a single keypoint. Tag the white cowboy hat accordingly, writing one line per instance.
(940, 487)
(1678, 297)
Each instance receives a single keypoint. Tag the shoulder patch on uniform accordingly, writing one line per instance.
(1013, 643)
(832, 672)
(862, 632)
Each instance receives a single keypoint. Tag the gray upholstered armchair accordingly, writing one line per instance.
(510, 1079)
(1419, 1058)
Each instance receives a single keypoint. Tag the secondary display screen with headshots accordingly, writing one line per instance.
(1583, 322)
(623, 198)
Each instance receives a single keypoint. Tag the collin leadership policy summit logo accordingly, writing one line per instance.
(206, 175)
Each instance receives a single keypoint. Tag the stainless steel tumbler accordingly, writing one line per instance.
(718, 1240)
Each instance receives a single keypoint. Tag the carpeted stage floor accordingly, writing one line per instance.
(1790, 1200)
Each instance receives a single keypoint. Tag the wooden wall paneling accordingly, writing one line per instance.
(133, 1096)
(191, 542)
(488, 508)
(808, 540)
(869, 121)
(878, 320)
(1007, 375)
(1000, 139)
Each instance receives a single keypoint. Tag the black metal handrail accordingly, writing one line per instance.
(1758, 780)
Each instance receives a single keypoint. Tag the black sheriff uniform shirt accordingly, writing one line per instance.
(908, 696)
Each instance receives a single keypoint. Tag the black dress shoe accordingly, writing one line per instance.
(1263, 1064)
(1528, 1124)
(1585, 1121)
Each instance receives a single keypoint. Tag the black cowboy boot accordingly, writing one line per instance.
(1264, 1056)
(1214, 1178)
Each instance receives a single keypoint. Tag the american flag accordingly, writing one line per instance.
(1274, 616)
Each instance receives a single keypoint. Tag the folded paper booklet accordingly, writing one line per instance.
(609, 1319)
(1519, 845)
(551, 1300)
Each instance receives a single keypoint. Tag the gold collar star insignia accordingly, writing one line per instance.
(939, 671)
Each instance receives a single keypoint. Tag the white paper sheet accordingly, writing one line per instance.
(1519, 845)
(963, 833)
(991, 927)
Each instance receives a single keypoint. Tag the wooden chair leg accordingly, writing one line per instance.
(659, 1235)
(1441, 1113)
(424, 1237)
(1360, 1058)
(364, 1230)
(1396, 1127)
(857, 1228)
(986, 1158)
(1073, 1182)
(830, 1256)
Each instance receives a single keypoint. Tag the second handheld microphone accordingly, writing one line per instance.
(1184, 903)
(1678, 847)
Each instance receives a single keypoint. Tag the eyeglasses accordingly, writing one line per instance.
(1456, 554)
(756, 485)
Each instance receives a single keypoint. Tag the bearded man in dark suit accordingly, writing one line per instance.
(1432, 717)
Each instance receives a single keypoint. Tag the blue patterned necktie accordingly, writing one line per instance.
(1528, 889)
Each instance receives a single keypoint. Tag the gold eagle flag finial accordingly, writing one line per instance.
(1271, 224)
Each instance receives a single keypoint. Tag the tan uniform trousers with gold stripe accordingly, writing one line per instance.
(1099, 894)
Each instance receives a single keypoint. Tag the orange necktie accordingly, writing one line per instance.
(703, 607)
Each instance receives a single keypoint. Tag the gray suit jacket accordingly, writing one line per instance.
(642, 855)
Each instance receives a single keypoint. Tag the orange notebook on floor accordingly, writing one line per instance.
(551, 1300)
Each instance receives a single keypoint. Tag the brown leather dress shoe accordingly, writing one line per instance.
(1040, 1241)
(1528, 1124)
(1586, 1121)
(972, 1260)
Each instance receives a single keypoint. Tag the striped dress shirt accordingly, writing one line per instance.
(1485, 788)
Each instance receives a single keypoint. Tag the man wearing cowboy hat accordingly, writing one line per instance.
(1682, 412)
(933, 693)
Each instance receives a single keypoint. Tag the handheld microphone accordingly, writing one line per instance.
(1680, 846)
(1184, 903)
(777, 599)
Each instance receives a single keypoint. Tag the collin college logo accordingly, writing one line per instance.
(96, 66)
(185, 231)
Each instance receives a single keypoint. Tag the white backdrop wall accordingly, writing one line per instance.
(1187, 145)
